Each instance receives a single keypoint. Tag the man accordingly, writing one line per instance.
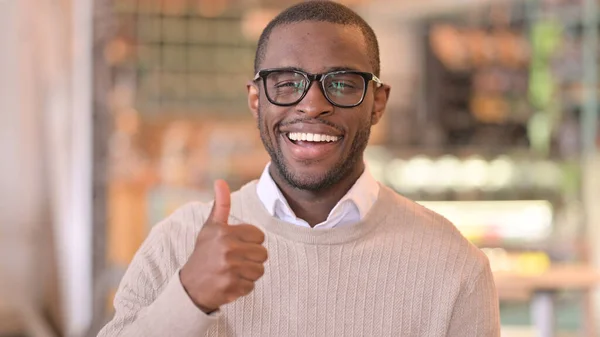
(316, 247)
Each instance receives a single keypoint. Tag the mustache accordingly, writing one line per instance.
(312, 120)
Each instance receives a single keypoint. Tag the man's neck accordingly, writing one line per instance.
(314, 206)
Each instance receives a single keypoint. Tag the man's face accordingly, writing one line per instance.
(316, 47)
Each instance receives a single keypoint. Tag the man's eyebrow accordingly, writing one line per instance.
(283, 69)
(341, 69)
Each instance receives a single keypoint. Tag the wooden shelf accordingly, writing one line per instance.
(518, 286)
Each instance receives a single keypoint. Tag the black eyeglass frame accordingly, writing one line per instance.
(310, 78)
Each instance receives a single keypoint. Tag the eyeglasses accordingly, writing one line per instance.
(344, 89)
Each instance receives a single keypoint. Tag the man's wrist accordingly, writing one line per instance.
(203, 308)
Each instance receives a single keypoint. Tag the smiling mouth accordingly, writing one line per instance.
(305, 146)
(316, 138)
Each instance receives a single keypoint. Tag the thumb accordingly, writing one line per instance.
(222, 204)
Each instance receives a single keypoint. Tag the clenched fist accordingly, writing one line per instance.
(226, 260)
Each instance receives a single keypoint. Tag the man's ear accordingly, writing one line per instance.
(253, 97)
(382, 94)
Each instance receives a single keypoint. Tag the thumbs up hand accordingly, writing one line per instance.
(226, 260)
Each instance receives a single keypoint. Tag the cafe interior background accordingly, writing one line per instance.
(116, 112)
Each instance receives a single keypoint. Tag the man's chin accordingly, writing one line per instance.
(313, 185)
(309, 178)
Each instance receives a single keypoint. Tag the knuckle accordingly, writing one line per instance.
(245, 289)
(260, 236)
(229, 255)
(224, 268)
(233, 269)
(249, 288)
(229, 284)
(222, 289)
(232, 297)
(260, 271)
(264, 255)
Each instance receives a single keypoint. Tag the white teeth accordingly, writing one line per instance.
(311, 137)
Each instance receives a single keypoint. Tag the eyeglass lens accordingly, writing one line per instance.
(287, 87)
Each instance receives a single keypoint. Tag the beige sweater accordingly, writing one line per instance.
(402, 271)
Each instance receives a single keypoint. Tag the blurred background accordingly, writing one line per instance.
(113, 113)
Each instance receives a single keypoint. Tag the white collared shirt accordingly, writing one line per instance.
(349, 210)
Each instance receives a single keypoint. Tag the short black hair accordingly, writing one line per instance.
(320, 11)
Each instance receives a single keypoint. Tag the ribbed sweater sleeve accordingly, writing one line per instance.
(151, 300)
(476, 311)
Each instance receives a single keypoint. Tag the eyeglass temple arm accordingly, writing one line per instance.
(377, 81)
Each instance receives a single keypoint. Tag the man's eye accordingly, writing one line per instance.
(341, 85)
(290, 84)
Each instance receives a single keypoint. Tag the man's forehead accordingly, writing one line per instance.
(323, 69)
(316, 47)
(317, 31)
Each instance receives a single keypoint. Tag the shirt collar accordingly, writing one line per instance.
(362, 194)
(268, 192)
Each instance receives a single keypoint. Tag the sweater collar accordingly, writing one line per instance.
(350, 209)
(251, 210)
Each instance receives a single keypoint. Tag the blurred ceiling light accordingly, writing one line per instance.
(474, 172)
(254, 21)
(418, 173)
(377, 158)
(501, 173)
(212, 8)
(394, 174)
(447, 172)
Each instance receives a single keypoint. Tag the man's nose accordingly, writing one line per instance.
(314, 104)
